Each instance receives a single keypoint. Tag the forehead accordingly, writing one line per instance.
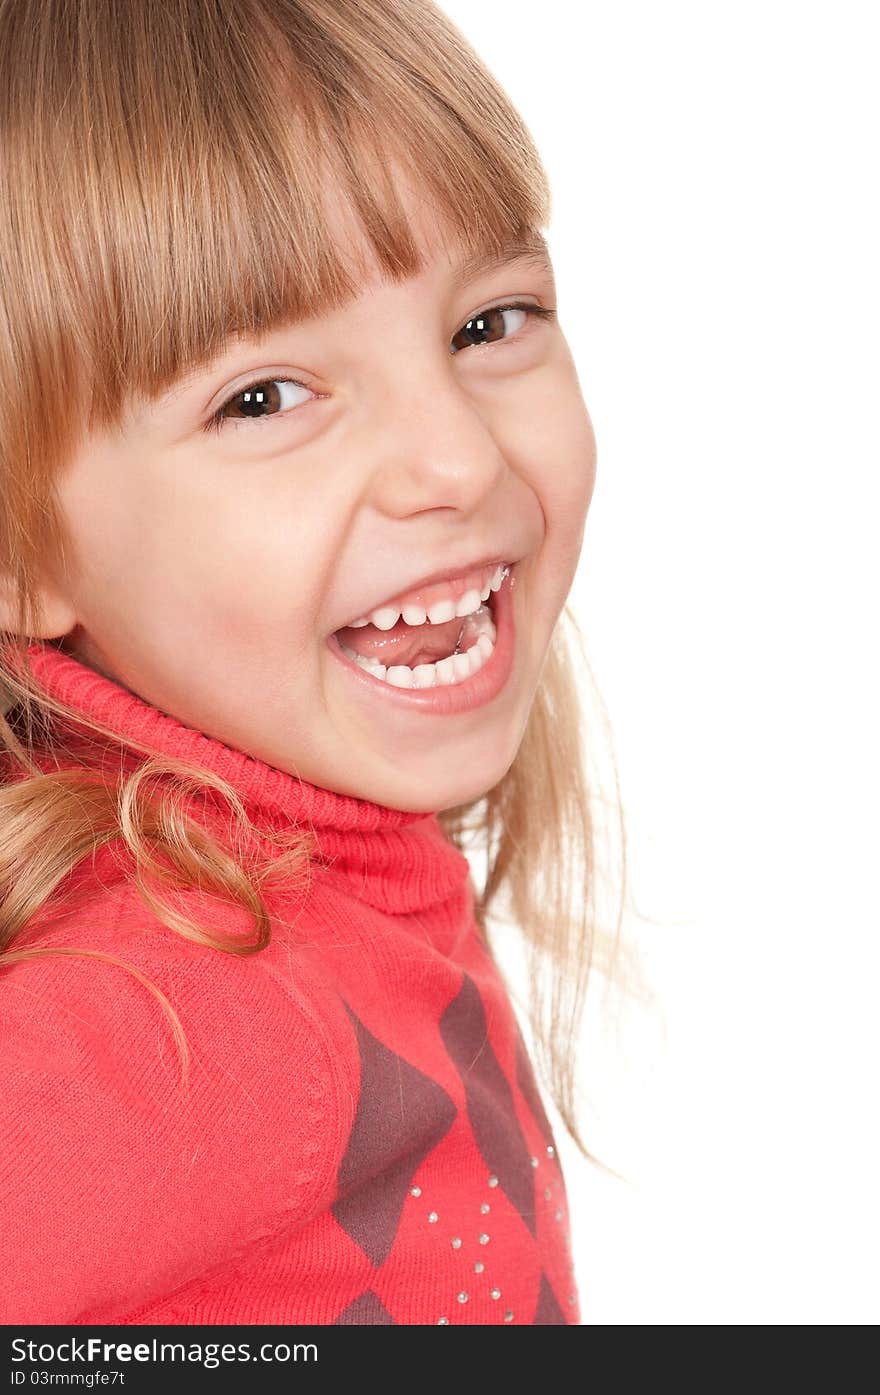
(437, 241)
(411, 218)
(438, 245)
(464, 266)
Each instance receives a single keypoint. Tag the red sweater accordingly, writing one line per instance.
(362, 1140)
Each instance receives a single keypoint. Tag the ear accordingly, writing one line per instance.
(55, 613)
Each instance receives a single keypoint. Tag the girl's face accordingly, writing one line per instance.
(383, 444)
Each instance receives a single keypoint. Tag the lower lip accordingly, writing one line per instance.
(481, 687)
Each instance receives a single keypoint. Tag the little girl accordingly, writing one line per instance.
(295, 472)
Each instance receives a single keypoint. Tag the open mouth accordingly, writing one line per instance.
(426, 655)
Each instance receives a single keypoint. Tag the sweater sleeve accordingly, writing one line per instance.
(120, 1185)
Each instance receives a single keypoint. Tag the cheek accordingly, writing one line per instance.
(245, 568)
(178, 565)
(576, 445)
(557, 451)
(578, 476)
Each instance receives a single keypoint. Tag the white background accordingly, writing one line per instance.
(715, 236)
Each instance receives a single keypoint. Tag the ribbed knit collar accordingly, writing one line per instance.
(399, 860)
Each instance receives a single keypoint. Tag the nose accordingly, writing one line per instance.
(434, 447)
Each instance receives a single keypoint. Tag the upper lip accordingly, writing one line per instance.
(497, 559)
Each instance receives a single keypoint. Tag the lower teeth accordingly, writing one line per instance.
(454, 669)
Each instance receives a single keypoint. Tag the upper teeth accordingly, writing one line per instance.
(385, 617)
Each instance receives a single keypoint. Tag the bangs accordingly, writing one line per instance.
(185, 194)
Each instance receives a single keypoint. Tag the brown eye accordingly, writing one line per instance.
(269, 398)
(489, 325)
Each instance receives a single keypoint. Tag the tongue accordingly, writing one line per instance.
(404, 644)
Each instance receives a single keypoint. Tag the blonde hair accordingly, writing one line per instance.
(162, 167)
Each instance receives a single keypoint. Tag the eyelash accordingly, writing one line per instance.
(218, 422)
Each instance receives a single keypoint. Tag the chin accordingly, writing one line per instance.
(440, 796)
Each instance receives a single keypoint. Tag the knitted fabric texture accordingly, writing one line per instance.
(361, 1139)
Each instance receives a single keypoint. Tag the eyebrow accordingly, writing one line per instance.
(532, 248)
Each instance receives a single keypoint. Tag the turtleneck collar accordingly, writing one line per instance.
(400, 860)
